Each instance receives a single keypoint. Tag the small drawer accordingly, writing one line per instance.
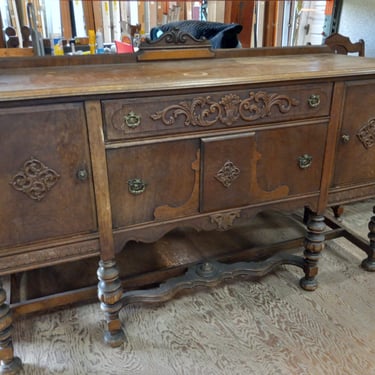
(153, 182)
(140, 117)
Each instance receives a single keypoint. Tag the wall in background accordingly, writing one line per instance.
(357, 22)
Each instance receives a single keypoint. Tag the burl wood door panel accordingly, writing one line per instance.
(261, 166)
(355, 157)
(153, 181)
(45, 174)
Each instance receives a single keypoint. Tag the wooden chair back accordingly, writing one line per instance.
(343, 45)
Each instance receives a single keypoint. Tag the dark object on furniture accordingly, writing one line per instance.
(343, 45)
(221, 35)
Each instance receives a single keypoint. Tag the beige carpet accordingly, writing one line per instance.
(243, 327)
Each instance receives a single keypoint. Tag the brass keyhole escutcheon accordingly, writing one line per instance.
(345, 138)
(305, 161)
(136, 186)
(132, 120)
(314, 100)
(82, 174)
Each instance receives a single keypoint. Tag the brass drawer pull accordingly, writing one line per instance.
(136, 186)
(82, 174)
(132, 120)
(345, 138)
(305, 161)
(314, 100)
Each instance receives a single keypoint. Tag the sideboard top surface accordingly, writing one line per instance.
(86, 80)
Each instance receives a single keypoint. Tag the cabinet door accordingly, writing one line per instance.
(45, 178)
(355, 150)
(153, 181)
(262, 166)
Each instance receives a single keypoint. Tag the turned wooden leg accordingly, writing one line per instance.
(9, 364)
(314, 244)
(109, 294)
(369, 263)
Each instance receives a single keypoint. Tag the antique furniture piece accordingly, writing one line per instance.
(343, 45)
(125, 148)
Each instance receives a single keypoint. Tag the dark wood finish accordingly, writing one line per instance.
(7, 62)
(9, 363)
(130, 118)
(149, 147)
(343, 45)
(174, 45)
(13, 39)
(26, 37)
(52, 146)
(153, 165)
(208, 274)
(356, 135)
(241, 12)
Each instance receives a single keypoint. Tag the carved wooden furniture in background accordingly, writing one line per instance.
(343, 45)
(106, 154)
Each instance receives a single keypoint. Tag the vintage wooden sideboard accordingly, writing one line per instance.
(94, 155)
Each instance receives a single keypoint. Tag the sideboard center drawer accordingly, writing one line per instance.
(154, 116)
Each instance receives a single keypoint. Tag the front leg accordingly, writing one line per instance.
(110, 294)
(314, 244)
(369, 263)
(8, 363)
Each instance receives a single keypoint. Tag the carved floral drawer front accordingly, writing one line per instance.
(153, 182)
(46, 185)
(355, 157)
(261, 166)
(131, 118)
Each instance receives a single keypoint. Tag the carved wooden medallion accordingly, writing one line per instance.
(225, 220)
(35, 179)
(366, 134)
(227, 173)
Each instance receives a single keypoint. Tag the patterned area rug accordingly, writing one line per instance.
(243, 327)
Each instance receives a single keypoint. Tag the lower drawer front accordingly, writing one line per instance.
(262, 166)
(153, 182)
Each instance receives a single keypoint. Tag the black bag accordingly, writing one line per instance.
(221, 35)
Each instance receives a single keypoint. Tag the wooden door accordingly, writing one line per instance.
(45, 174)
(355, 150)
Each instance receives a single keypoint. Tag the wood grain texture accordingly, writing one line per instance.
(22, 84)
(242, 327)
